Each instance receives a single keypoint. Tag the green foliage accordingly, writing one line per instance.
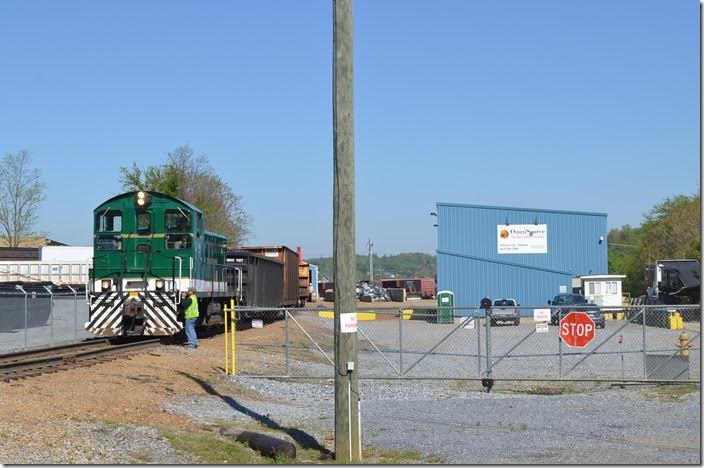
(404, 265)
(194, 180)
(670, 230)
(623, 245)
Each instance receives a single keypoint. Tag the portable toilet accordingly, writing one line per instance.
(446, 301)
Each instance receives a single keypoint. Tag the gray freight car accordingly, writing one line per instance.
(258, 281)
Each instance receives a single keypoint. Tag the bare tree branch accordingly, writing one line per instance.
(21, 193)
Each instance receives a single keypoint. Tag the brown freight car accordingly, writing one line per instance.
(291, 297)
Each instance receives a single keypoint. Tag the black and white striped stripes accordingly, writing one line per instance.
(106, 313)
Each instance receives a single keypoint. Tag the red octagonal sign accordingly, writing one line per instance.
(577, 329)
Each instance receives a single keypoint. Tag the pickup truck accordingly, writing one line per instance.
(575, 302)
(505, 310)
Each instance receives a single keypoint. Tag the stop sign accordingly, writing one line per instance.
(577, 329)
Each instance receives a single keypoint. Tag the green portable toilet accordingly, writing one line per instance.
(446, 301)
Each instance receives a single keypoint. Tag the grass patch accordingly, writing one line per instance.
(144, 378)
(382, 456)
(550, 391)
(212, 449)
(670, 393)
(143, 458)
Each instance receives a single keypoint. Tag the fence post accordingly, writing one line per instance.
(51, 313)
(286, 344)
(233, 329)
(400, 343)
(227, 353)
(645, 370)
(477, 323)
(20, 288)
(487, 320)
(75, 312)
(559, 345)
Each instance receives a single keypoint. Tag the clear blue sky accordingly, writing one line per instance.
(587, 106)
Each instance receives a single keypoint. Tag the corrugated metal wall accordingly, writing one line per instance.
(468, 262)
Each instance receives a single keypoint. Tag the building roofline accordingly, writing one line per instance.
(600, 276)
(491, 207)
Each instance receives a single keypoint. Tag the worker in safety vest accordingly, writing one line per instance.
(190, 305)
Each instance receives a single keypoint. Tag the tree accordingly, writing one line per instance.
(21, 193)
(193, 179)
(670, 230)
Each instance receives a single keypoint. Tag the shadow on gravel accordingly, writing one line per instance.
(305, 440)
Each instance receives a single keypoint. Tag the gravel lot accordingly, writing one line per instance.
(467, 426)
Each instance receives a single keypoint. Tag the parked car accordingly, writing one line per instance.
(505, 310)
(575, 302)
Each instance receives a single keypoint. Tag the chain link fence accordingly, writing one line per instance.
(37, 318)
(644, 343)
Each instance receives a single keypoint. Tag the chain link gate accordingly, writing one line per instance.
(643, 344)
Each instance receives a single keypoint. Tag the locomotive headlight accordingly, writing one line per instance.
(159, 284)
(105, 284)
(143, 199)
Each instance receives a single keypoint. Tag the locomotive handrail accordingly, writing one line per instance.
(239, 284)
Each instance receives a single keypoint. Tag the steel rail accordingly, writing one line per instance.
(66, 357)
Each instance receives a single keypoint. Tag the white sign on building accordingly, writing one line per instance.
(522, 238)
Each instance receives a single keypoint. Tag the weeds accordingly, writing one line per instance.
(212, 449)
(670, 393)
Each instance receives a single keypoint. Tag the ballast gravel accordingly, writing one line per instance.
(92, 443)
(454, 423)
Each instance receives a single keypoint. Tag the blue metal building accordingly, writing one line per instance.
(526, 254)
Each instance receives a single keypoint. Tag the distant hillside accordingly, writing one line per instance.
(405, 265)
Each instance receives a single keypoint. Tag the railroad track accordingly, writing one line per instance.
(48, 360)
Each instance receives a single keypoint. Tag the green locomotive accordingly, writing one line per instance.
(149, 248)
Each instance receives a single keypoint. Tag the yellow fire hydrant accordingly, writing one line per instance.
(684, 344)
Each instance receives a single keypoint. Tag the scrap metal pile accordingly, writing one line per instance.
(370, 292)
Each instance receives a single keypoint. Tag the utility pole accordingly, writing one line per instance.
(347, 422)
(371, 260)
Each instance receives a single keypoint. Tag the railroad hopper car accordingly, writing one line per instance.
(289, 258)
(149, 248)
(257, 281)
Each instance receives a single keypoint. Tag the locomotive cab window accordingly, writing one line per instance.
(108, 242)
(144, 221)
(177, 221)
(178, 241)
(109, 221)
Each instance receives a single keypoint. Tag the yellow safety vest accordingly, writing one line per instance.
(192, 311)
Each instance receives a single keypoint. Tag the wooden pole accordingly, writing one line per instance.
(347, 429)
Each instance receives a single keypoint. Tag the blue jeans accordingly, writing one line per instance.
(191, 332)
